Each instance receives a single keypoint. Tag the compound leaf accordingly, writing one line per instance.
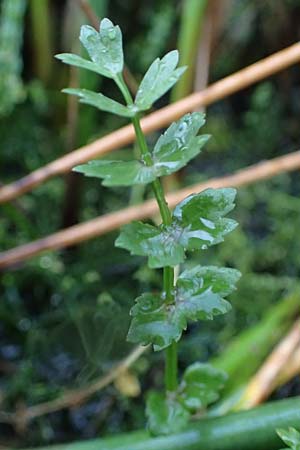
(101, 102)
(198, 223)
(165, 414)
(117, 173)
(198, 296)
(201, 385)
(159, 78)
(104, 48)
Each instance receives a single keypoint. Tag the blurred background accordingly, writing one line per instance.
(64, 314)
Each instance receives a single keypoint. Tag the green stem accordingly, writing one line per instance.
(119, 80)
(168, 272)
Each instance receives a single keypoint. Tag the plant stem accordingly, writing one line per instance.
(168, 272)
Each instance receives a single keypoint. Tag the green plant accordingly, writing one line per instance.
(195, 224)
(290, 437)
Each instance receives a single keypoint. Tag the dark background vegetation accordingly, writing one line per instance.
(64, 314)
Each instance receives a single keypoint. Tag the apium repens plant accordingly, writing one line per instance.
(196, 223)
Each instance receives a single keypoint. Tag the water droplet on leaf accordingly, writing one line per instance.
(112, 34)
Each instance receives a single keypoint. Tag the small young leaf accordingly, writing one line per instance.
(201, 385)
(101, 102)
(104, 48)
(165, 414)
(159, 78)
(290, 437)
(198, 296)
(117, 173)
(198, 223)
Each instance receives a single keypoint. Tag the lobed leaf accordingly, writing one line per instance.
(198, 296)
(78, 61)
(159, 78)
(101, 102)
(198, 223)
(201, 385)
(104, 48)
(165, 414)
(154, 322)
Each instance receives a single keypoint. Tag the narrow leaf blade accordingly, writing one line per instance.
(77, 61)
(117, 173)
(101, 102)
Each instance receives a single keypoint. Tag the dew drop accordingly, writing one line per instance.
(112, 34)
(146, 305)
(182, 128)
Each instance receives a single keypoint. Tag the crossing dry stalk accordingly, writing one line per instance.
(108, 222)
(125, 135)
